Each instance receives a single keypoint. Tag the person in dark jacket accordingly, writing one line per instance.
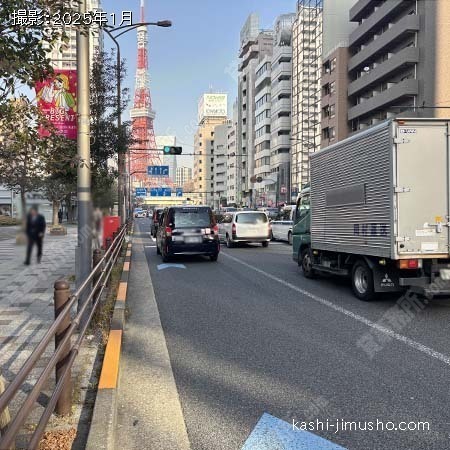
(35, 231)
(60, 216)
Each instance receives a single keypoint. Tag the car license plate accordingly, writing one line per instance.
(193, 240)
(445, 274)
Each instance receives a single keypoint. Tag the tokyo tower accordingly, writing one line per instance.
(143, 153)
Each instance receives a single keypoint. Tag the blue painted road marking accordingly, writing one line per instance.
(271, 433)
(170, 266)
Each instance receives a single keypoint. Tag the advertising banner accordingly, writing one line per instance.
(56, 98)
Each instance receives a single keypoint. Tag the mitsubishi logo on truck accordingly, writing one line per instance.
(387, 282)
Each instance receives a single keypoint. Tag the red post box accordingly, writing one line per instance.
(110, 225)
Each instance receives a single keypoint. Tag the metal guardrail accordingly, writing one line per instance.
(62, 329)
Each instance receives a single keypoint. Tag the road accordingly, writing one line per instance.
(250, 335)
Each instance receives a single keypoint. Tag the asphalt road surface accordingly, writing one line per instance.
(250, 335)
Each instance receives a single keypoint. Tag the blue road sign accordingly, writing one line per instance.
(179, 192)
(141, 192)
(167, 192)
(158, 171)
(154, 192)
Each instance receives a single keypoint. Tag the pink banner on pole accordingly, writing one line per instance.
(57, 100)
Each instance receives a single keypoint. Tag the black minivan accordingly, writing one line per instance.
(188, 230)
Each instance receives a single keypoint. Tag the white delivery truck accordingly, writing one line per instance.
(378, 209)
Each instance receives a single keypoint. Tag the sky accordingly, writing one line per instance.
(199, 52)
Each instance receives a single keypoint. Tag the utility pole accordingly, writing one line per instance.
(84, 249)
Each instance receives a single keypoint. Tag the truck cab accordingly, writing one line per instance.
(301, 230)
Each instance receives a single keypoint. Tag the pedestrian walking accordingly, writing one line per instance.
(35, 231)
(60, 216)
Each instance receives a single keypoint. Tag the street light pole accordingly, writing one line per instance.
(120, 153)
(84, 249)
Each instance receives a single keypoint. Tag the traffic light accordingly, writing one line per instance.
(168, 150)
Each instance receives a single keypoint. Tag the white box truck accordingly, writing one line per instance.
(378, 209)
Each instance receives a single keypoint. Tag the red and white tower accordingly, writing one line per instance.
(143, 153)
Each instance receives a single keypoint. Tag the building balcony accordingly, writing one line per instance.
(406, 25)
(262, 138)
(382, 71)
(284, 68)
(281, 123)
(281, 87)
(360, 9)
(283, 141)
(383, 99)
(284, 104)
(380, 16)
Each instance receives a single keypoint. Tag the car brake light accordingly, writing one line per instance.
(410, 264)
(215, 229)
(233, 228)
(168, 231)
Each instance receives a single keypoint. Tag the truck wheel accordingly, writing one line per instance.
(290, 238)
(265, 244)
(362, 281)
(306, 262)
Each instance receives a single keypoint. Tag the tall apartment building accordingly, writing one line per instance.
(306, 89)
(220, 163)
(262, 132)
(256, 44)
(183, 176)
(64, 55)
(168, 160)
(399, 54)
(335, 55)
(281, 85)
(232, 187)
(212, 112)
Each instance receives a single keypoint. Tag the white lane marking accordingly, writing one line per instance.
(150, 246)
(391, 333)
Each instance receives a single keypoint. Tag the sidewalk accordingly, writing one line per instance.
(26, 308)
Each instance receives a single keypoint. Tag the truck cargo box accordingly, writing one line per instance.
(384, 192)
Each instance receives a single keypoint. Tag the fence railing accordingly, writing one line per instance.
(63, 357)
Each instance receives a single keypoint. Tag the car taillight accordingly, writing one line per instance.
(215, 229)
(168, 231)
(233, 228)
(410, 264)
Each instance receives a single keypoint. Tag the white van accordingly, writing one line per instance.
(245, 227)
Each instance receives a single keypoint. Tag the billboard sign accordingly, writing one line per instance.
(56, 98)
(212, 105)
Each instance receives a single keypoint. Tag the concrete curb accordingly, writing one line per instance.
(103, 422)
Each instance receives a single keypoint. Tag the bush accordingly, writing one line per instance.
(8, 221)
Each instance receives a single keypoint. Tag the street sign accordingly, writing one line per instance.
(167, 192)
(154, 192)
(179, 192)
(283, 189)
(158, 171)
(141, 192)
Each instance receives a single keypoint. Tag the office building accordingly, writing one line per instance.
(183, 176)
(306, 89)
(64, 55)
(399, 53)
(256, 44)
(334, 105)
(281, 108)
(233, 193)
(220, 164)
(212, 111)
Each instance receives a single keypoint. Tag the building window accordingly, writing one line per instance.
(326, 133)
(333, 65)
(332, 87)
(332, 110)
(326, 89)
